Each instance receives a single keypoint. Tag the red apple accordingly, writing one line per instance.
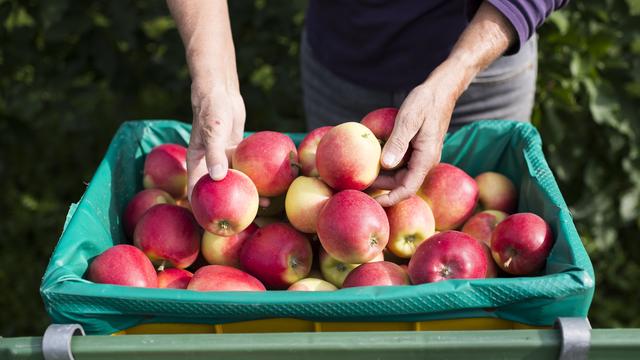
(270, 159)
(335, 271)
(410, 223)
(448, 255)
(521, 243)
(481, 225)
(123, 265)
(225, 207)
(307, 151)
(225, 250)
(348, 157)
(311, 284)
(497, 192)
(451, 195)
(139, 204)
(165, 167)
(305, 198)
(223, 278)
(381, 122)
(277, 254)
(492, 268)
(168, 235)
(174, 278)
(353, 227)
(380, 273)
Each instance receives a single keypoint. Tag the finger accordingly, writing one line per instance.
(405, 128)
(385, 182)
(196, 166)
(215, 136)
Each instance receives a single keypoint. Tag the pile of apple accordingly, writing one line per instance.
(223, 241)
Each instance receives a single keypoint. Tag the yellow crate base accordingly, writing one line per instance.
(297, 325)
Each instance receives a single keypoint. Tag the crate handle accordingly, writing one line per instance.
(56, 342)
(576, 337)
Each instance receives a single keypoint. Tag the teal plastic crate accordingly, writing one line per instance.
(512, 148)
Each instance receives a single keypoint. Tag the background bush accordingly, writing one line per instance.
(69, 75)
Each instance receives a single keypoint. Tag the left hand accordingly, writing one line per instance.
(421, 123)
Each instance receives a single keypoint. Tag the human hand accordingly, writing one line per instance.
(421, 123)
(218, 126)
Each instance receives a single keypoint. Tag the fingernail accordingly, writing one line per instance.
(217, 172)
(389, 159)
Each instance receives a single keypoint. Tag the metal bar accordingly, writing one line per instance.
(503, 344)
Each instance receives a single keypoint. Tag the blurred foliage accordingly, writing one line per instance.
(69, 75)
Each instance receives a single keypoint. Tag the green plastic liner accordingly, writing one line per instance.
(564, 289)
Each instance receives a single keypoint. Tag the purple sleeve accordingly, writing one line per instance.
(525, 15)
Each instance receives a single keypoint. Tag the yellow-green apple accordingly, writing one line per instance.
(481, 225)
(335, 271)
(275, 207)
(223, 278)
(168, 235)
(173, 278)
(277, 254)
(305, 198)
(497, 192)
(348, 157)
(451, 194)
(410, 223)
(123, 265)
(448, 255)
(353, 227)
(380, 273)
(311, 284)
(225, 250)
(165, 167)
(270, 159)
(227, 206)
(139, 204)
(521, 243)
(307, 151)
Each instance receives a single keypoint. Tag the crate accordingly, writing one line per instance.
(565, 288)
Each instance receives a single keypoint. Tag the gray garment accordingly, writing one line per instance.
(505, 90)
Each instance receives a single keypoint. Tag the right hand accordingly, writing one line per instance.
(218, 126)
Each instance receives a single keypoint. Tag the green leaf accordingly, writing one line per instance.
(634, 7)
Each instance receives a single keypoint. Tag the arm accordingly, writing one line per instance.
(424, 116)
(218, 108)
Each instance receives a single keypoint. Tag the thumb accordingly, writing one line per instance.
(215, 137)
(404, 129)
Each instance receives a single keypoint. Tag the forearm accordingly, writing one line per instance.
(486, 38)
(205, 30)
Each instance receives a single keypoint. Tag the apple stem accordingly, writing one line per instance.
(508, 262)
(161, 267)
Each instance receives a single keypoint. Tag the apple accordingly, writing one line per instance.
(277, 254)
(225, 250)
(307, 151)
(521, 243)
(451, 195)
(497, 192)
(223, 278)
(448, 255)
(123, 265)
(335, 271)
(492, 268)
(481, 225)
(168, 235)
(311, 284)
(275, 207)
(379, 273)
(139, 204)
(165, 167)
(174, 278)
(381, 122)
(410, 223)
(305, 198)
(225, 207)
(353, 227)
(270, 159)
(348, 157)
